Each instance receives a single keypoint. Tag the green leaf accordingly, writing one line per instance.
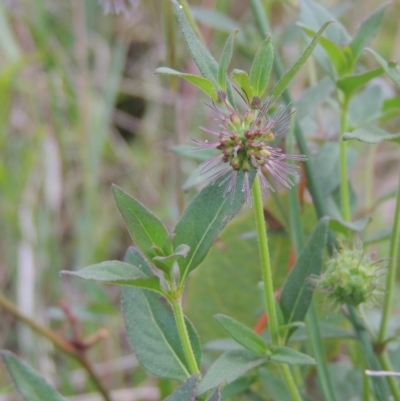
(180, 252)
(29, 383)
(261, 67)
(186, 391)
(204, 219)
(228, 367)
(371, 135)
(242, 79)
(152, 331)
(353, 82)
(146, 230)
(242, 334)
(135, 258)
(290, 356)
(204, 84)
(215, 396)
(391, 68)
(289, 75)
(225, 60)
(201, 56)
(343, 226)
(367, 31)
(335, 54)
(297, 293)
(116, 272)
(275, 386)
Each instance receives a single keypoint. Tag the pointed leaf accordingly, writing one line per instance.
(353, 82)
(242, 334)
(134, 257)
(391, 68)
(225, 60)
(202, 83)
(290, 356)
(205, 217)
(186, 391)
(297, 293)
(242, 79)
(227, 368)
(180, 252)
(335, 53)
(371, 135)
(116, 272)
(289, 75)
(367, 31)
(29, 383)
(216, 395)
(145, 228)
(344, 226)
(201, 56)
(261, 67)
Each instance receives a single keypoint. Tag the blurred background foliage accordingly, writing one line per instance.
(80, 108)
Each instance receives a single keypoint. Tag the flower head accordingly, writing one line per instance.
(243, 142)
(350, 278)
(117, 6)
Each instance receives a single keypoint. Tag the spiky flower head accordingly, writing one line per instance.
(117, 6)
(350, 278)
(244, 141)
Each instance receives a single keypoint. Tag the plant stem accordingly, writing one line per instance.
(393, 383)
(287, 375)
(391, 276)
(265, 262)
(344, 182)
(184, 335)
(58, 341)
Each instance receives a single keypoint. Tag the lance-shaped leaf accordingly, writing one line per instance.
(204, 219)
(367, 31)
(147, 231)
(344, 226)
(215, 396)
(201, 56)
(242, 334)
(242, 79)
(335, 54)
(225, 60)
(116, 272)
(204, 84)
(228, 367)
(290, 356)
(391, 68)
(297, 293)
(28, 382)
(186, 391)
(261, 67)
(289, 75)
(353, 82)
(371, 135)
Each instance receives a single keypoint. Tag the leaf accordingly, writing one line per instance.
(326, 330)
(391, 68)
(201, 56)
(242, 79)
(343, 226)
(227, 368)
(186, 391)
(335, 54)
(215, 396)
(367, 31)
(297, 293)
(146, 230)
(353, 82)
(289, 75)
(275, 386)
(225, 60)
(242, 334)
(371, 135)
(116, 272)
(204, 84)
(29, 383)
(204, 219)
(290, 356)
(261, 67)
(151, 329)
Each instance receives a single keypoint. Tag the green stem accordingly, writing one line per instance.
(287, 376)
(393, 383)
(344, 180)
(184, 335)
(391, 276)
(265, 262)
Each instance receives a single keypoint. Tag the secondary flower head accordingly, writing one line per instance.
(244, 143)
(350, 278)
(117, 6)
